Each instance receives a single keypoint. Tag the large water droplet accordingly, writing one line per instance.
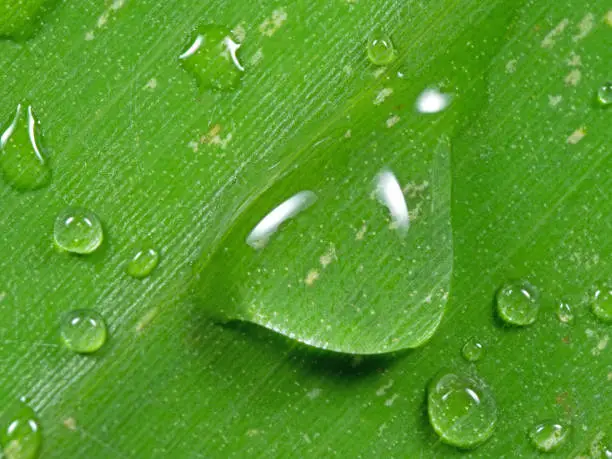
(604, 94)
(390, 194)
(22, 162)
(565, 313)
(602, 303)
(83, 331)
(472, 350)
(381, 51)
(461, 409)
(267, 226)
(548, 436)
(212, 58)
(20, 434)
(432, 101)
(78, 230)
(518, 303)
(143, 262)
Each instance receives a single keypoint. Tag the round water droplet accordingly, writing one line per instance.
(518, 303)
(604, 94)
(20, 434)
(565, 313)
(83, 331)
(143, 262)
(602, 303)
(212, 58)
(461, 409)
(22, 161)
(472, 350)
(381, 51)
(548, 436)
(78, 230)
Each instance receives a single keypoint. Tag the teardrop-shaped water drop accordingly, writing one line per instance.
(143, 262)
(604, 94)
(518, 303)
(565, 313)
(548, 436)
(20, 434)
(381, 50)
(83, 331)
(22, 161)
(78, 230)
(601, 305)
(472, 350)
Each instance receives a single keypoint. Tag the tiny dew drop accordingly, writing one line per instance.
(518, 303)
(604, 94)
(20, 434)
(143, 262)
(212, 58)
(565, 313)
(22, 162)
(381, 50)
(78, 230)
(472, 350)
(461, 409)
(601, 304)
(83, 331)
(548, 436)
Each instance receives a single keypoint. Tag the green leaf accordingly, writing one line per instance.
(517, 167)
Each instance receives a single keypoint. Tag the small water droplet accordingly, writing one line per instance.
(604, 94)
(518, 303)
(472, 350)
(267, 226)
(20, 434)
(565, 313)
(78, 230)
(548, 436)
(22, 161)
(381, 50)
(212, 58)
(461, 409)
(83, 330)
(602, 303)
(143, 262)
(432, 101)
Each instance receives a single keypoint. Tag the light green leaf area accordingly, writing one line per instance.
(511, 181)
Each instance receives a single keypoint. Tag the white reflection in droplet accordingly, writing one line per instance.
(260, 235)
(390, 194)
(193, 48)
(232, 47)
(432, 101)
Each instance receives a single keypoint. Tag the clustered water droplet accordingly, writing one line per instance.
(601, 304)
(518, 303)
(381, 50)
(548, 436)
(83, 331)
(472, 350)
(461, 409)
(20, 434)
(78, 230)
(143, 262)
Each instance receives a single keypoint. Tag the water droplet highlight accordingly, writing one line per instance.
(432, 101)
(548, 436)
(604, 94)
(390, 194)
(143, 263)
(22, 162)
(212, 58)
(472, 350)
(260, 235)
(518, 303)
(602, 303)
(83, 331)
(381, 51)
(461, 409)
(20, 434)
(78, 230)
(565, 313)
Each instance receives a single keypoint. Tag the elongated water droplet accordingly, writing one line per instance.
(143, 262)
(78, 230)
(432, 101)
(461, 409)
(260, 235)
(381, 50)
(22, 161)
(472, 350)
(548, 436)
(390, 194)
(212, 58)
(601, 304)
(83, 331)
(604, 94)
(20, 434)
(518, 303)
(565, 313)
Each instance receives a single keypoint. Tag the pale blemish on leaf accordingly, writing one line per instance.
(347, 134)
(392, 121)
(70, 424)
(601, 345)
(511, 66)
(378, 72)
(253, 432)
(382, 95)
(239, 32)
(151, 84)
(256, 58)
(551, 37)
(103, 19)
(555, 100)
(384, 388)
(573, 77)
(311, 277)
(146, 320)
(576, 136)
(314, 393)
(584, 27)
(328, 257)
(574, 60)
(391, 400)
(273, 23)
(608, 18)
(361, 233)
